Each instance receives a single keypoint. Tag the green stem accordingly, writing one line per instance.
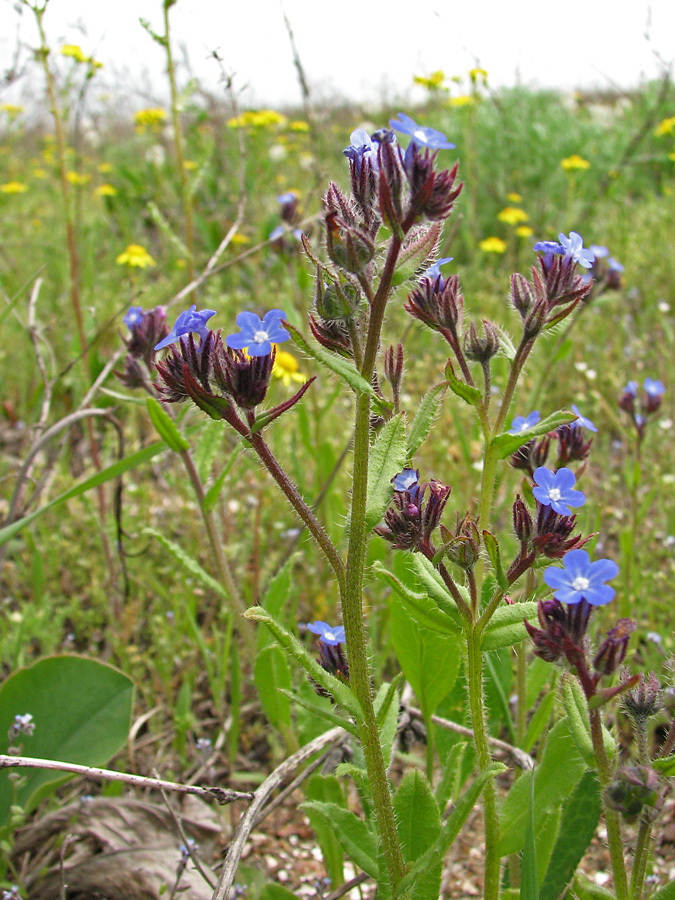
(522, 353)
(641, 857)
(180, 154)
(612, 819)
(491, 818)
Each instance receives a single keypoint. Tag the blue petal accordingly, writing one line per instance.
(263, 349)
(237, 341)
(249, 321)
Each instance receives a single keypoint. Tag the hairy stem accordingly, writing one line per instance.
(611, 816)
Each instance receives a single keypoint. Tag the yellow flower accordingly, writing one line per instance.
(137, 256)
(475, 74)
(77, 178)
(286, 368)
(671, 156)
(298, 125)
(11, 109)
(524, 231)
(190, 164)
(13, 187)
(513, 197)
(149, 119)
(665, 127)
(574, 162)
(433, 83)
(75, 52)
(239, 239)
(104, 168)
(493, 245)
(106, 190)
(512, 215)
(462, 100)
(264, 118)
(39, 173)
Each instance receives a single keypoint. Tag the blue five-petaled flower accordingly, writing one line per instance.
(556, 489)
(362, 146)
(421, 136)
(522, 423)
(574, 249)
(188, 321)
(654, 387)
(328, 634)
(133, 317)
(581, 579)
(434, 270)
(257, 335)
(582, 421)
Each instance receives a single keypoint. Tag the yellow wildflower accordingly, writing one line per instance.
(512, 215)
(286, 368)
(493, 245)
(181, 263)
(475, 74)
(39, 173)
(106, 190)
(137, 256)
(149, 119)
(462, 100)
(574, 162)
(671, 156)
(104, 168)
(77, 178)
(190, 164)
(298, 125)
(239, 239)
(264, 118)
(513, 197)
(13, 187)
(665, 127)
(11, 109)
(74, 52)
(524, 231)
(433, 83)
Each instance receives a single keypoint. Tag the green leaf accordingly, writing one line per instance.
(451, 829)
(208, 446)
(213, 493)
(529, 879)
(321, 712)
(447, 784)
(352, 833)
(387, 458)
(471, 395)
(165, 426)
(580, 816)
(665, 766)
(539, 721)
(274, 891)
(341, 693)
(665, 893)
(272, 677)
(506, 444)
(388, 718)
(82, 711)
(585, 889)
(337, 364)
(556, 775)
(326, 788)
(418, 823)
(430, 661)
(506, 627)
(107, 474)
(498, 678)
(421, 606)
(492, 547)
(576, 707)
(425, 417)
(274, 600)
(188, 562)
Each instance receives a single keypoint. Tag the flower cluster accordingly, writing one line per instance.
(332, 657)
(573, 446)
(641, 405)
(415, 512)
(147, 330)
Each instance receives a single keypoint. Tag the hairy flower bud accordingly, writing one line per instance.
(562, 630)
(349, 246)
(336, 301)
(531, 455)
(643, 700)
(438, 303)
(522, 521)
(522, 295)
(633, 788)
(331, 334)
(572, 445)
(393, 368)
(432, 193)
(481, 349)
(612, 651)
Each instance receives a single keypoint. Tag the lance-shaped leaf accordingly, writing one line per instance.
(506, 628)
(418, 822)
(471, 395)
(386, 459)
(506, 444)
(269, 415)
(165, 426)
(421, 606)
(493, 551)
(578, 715)
(424, 417)
(189, 563)
(342, 694)
(272, 678)
(352, 833)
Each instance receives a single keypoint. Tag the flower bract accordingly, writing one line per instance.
(581, 579)
(556, 489)
(522, 423)
(328, 634)
(257, 335)
(187, 322)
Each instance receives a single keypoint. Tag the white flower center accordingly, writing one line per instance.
(329, 636)
(554, 495)
(260, 337)
(580, 583)
(420, 135)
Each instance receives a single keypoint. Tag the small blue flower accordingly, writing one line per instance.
(405, 480)
(654, 387)
(188, 321)
(257, 335)
(631, 389)
(581, 579)
(522, 423)
(421, 136)
(582, 421)
(556, 489)
(133, 317)
(574, 249)
(288, 197)
(614, 266)
(327, 634)
(598, 251)
(362, 146)
(549, 249)
(434, 271)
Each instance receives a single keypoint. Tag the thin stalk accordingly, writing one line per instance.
(641, 857)
(186, 198)
(220, 560)
(612, 819)
(522, 353)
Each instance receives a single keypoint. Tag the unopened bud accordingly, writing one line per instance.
(481, 349)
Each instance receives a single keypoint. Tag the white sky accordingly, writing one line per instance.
(360, 49)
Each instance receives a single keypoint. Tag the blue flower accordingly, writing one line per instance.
(327, 634)
(188, 321)
(654, 387)
(549, 249)
(598, 251)
(522, 423)
(582, 421)
(133, 317)
(582, 579)
(614, 266)
(405, 480)
(556, 489)
(362, 146)
(631, 389)
(421, 136)
(257, 335)
(288, 197)
(434, 271)
(574, 249)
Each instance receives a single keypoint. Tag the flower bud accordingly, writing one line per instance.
(633, 788)
(612, 651)
(644, 700)
(393, 368)
(481, 349)
(522, 521)
(522, 295)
